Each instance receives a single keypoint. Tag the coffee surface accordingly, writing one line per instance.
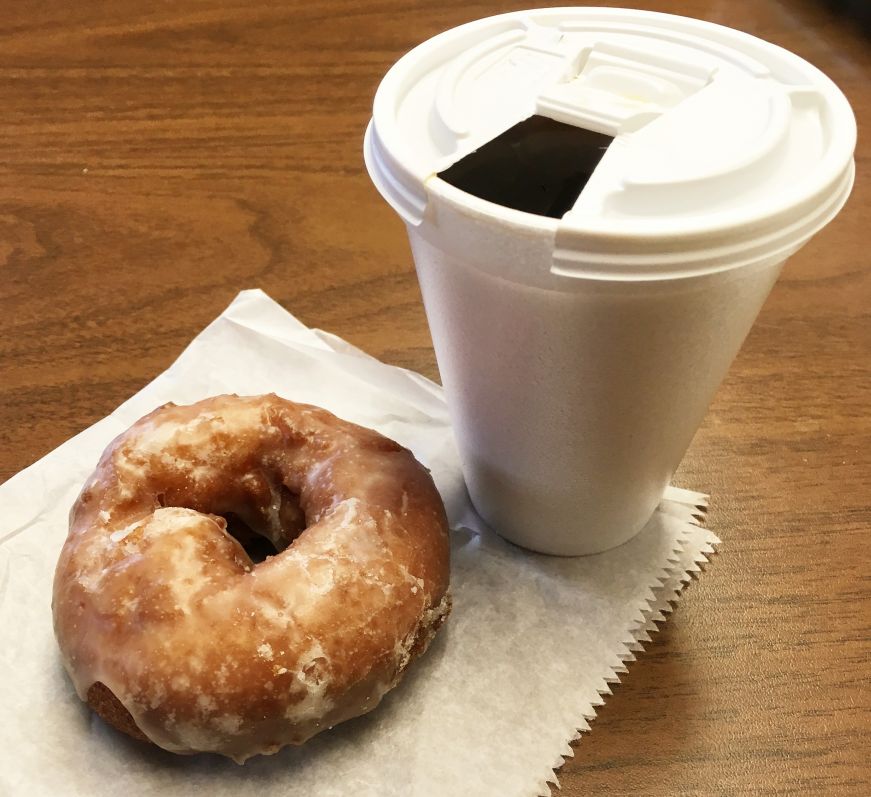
(538, 166)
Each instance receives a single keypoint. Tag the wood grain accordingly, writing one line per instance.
(155, 158)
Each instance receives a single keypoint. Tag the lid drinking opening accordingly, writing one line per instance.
(538, 166)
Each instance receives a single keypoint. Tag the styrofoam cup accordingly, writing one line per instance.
(579, 354)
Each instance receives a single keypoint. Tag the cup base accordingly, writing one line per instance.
(581, 540)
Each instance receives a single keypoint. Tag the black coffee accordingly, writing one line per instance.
(539, 166)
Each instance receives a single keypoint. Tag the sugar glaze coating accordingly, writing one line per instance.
(160, 611)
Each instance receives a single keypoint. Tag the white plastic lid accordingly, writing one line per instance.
(726, 148)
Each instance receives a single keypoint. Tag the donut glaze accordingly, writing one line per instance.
(170, 631)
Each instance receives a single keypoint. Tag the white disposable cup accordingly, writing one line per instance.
(572, 403)
(574, 396)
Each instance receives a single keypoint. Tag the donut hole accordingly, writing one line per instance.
(255, 528)
(257, 546)
(290, 514)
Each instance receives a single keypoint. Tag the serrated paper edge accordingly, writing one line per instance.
(660, 603)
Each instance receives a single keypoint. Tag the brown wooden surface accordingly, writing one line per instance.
(155, 158)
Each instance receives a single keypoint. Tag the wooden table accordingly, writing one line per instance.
(157, 158)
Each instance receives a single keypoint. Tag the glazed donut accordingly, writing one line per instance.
(171, 632)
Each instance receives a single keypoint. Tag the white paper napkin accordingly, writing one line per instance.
(521, 665)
